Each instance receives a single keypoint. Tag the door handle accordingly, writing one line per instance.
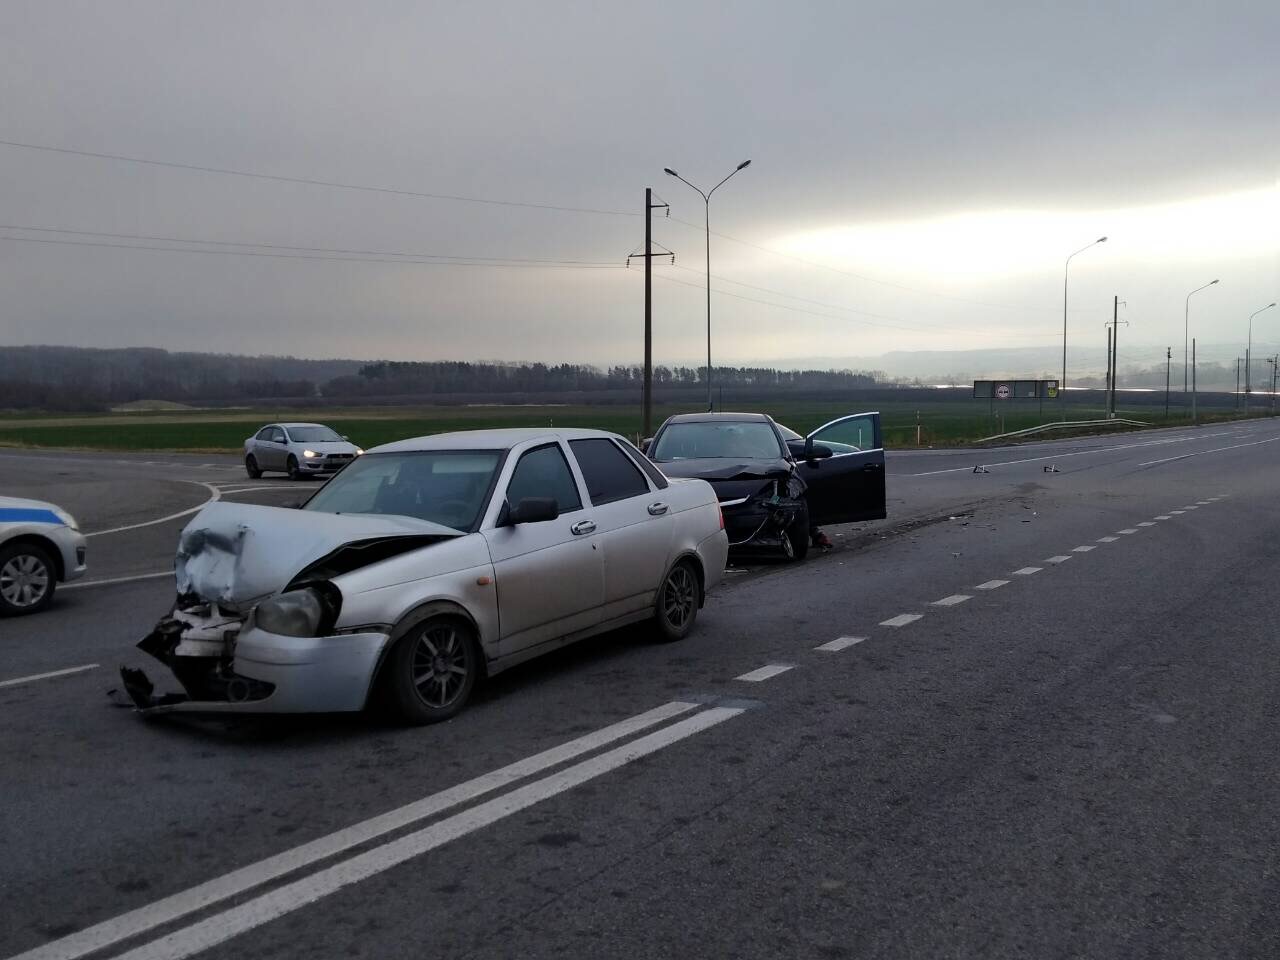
(658, 509)
(583, 527)
(872, 467)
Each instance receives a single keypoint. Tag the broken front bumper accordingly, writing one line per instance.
(253, 671)
(760, 523)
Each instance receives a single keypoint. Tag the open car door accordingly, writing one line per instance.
(849, 485)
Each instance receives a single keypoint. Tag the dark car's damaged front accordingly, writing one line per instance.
(745, 460)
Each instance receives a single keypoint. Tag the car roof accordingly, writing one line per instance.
(287, 425)
(502, 439)
(727, 417)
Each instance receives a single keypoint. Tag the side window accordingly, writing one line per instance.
(850, 435)
(543, 472)
(264, 434)
(280, 435)
(609, 472)
(647, 465)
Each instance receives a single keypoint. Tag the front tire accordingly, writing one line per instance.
(430, 672)
(679, 597)
(251, 467)
(295, 473)
(798, 536)
(28, 578)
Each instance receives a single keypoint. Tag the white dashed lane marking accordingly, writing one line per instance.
(1164, 516)
(1083, 549)
(901, 620)
(1127, 530)
(1108, 539)
(1146, 523)
(991, 585)
(952, 600)
(1027, 571)
(765, 672)
(1179, 512)
(839, 643)
(1190, 506)
(1060, 558)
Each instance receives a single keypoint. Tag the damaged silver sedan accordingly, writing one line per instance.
(426, 565)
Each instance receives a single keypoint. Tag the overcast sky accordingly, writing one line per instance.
(920, 171)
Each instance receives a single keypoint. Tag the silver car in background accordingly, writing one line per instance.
(298, 449)
(426, 565)
(40, 546)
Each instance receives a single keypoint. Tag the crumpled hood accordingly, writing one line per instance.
(720, 468)
(237, 554)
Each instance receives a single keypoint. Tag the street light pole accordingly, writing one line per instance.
(1248, 354)
(1186, 333)
(1062, 387)
(706, 200)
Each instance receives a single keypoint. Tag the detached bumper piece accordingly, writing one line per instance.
(198, 645)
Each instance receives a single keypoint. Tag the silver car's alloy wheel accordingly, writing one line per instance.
(440, 665)
(680, 596)
(24, 580)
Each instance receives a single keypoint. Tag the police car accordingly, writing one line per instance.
(40, 547)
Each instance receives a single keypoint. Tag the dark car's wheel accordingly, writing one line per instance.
(430, 672)
(251, 467)
(796, 545)
(295, 473)
(678, 601)
(27, 579)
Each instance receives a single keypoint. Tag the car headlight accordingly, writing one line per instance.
(310, 454)
(359, 452)
(308, 612)
(66, 518)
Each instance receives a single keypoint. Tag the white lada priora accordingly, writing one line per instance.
(425, 565)
(40, 547)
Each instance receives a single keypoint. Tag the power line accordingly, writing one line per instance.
(551, 265)
(280, 246)
(308, 181)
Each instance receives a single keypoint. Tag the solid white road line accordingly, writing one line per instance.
(991, 585)
(901, 620)
(1127, 531)
(1026, 571)
(1234, 446)
(46, 676)
(1084, 549)
(1145, 523)
(262, 909)
(765, 672)
(1082, 453)
(80, 584)
(839, 643)
(952, 600)
(214, 494)
(273, 868)
(1060, 558)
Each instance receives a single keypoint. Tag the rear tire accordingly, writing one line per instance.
(251, 467)
(28, 578)
(430, 672)
(677, 603)
(294, 472)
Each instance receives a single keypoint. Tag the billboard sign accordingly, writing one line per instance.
(1015, 389)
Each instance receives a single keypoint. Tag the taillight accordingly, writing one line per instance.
(720, 511)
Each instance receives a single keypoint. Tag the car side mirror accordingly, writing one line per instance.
(815, 451)
(533, 510)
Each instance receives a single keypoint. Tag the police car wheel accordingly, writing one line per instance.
(27, 579)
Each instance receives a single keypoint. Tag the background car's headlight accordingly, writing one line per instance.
(66, 518)
(310, 454)
(359, 452)
(309, 612)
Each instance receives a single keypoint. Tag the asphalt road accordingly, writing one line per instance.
(1033, 714)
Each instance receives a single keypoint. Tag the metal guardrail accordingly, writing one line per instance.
(1064, 425)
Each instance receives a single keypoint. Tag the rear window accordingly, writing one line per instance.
(609, 472)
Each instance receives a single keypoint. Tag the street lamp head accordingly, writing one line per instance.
(669, 172)
(1101, 240)
(1212, 282)
(744, 164)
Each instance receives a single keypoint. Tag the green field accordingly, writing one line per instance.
(948, 422)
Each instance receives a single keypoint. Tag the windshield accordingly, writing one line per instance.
(313, 435)
(734, 440)
(449, 487)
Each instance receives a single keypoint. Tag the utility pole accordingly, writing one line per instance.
(1168, 361)
(1115, 352)
(1236, 405)
(1106, 403)
(648, 254)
